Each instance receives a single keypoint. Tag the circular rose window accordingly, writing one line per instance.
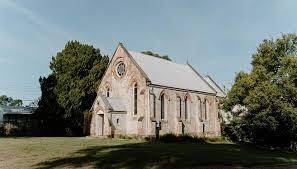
(121, 69)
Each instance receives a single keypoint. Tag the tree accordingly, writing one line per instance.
(8, 101)
(71, 88)
(269, 92)
(166, 57)
(49, 113)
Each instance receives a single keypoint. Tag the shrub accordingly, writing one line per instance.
(235, 131)
(2, 130)
(172, 138)
(10, 129)
(87, 123)
(120, 136)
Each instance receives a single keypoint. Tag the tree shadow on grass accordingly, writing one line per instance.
(146, 155)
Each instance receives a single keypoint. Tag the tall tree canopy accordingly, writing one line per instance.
(49, 111)
(76, 73)
(269, 92)
(8, 101)
(166, 57)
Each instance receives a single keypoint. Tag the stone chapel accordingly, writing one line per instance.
(138, 91)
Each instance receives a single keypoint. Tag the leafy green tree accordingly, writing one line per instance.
(16, 103)
(49, 113)
(71, 88)
(8, 101)
(166, 57)
(269, 92)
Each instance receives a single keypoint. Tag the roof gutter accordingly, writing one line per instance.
(179, 89)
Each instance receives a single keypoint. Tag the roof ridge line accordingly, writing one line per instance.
(158, 58)
(104, 99)
(216, 84)
(197, 73)
(149, 55)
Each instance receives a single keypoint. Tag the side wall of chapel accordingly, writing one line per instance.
(196, 118)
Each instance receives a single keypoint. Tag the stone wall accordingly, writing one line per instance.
(123, 87)
(193, 124)
(119, 122)
(143, 124)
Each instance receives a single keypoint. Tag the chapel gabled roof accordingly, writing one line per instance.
(169, 74)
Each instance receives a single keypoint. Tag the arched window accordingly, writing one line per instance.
(186, 107)
(107, 92)
(199, 108)
(162, 106)
(135, 99)
(203, 128)
(218, 107)
(154, 105)
(179, 106)
(205, 109)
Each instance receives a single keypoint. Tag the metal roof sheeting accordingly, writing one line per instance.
(220, 92)
(116, 104)
(167, 73)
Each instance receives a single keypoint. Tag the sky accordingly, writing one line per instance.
(217, 37)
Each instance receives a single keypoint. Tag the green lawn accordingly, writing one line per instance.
(60, 152)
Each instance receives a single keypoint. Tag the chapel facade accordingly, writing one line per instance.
(138, 92)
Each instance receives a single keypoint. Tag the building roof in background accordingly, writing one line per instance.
(16, 110)
(220, 92)
(167, 73)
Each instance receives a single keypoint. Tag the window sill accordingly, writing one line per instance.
(153, 119)
(187, 120)
(140, 118)
(164, 121)
(179, 119)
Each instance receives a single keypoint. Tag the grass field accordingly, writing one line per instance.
(61, 152)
